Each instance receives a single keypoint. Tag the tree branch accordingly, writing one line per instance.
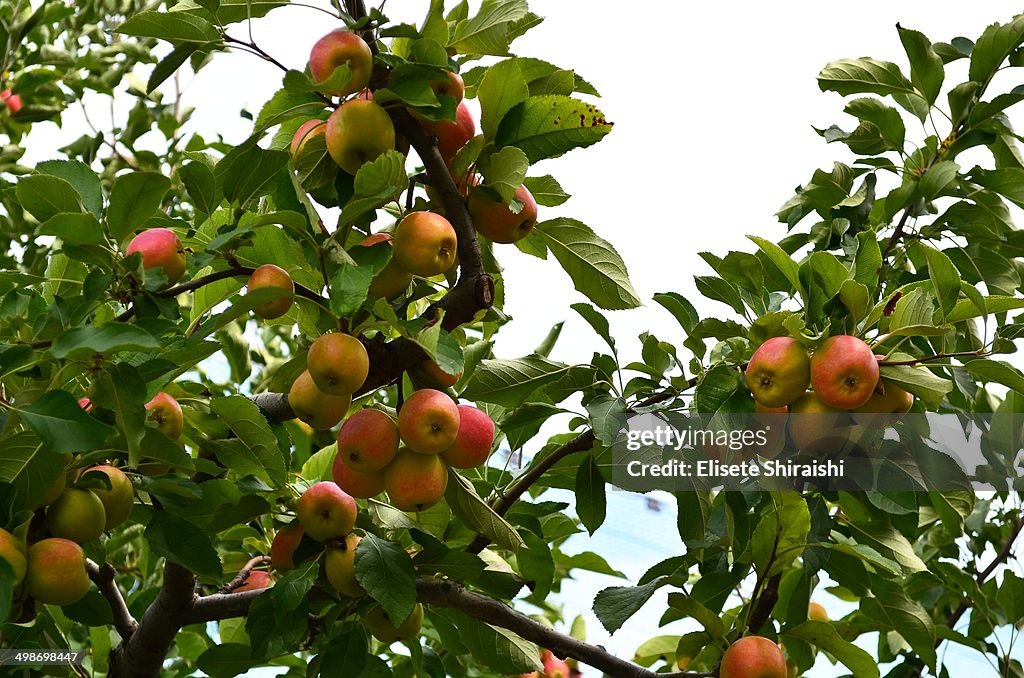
(103, 577)
(221, 606)
(243, 574)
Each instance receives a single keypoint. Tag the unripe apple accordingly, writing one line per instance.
(451, 85)
(326, 511)
(77, 515)
(753, 657)
(340, 566)
(429, 421)
(161, 248)
(337, 48)
(778, 372)
(813, 425)
(886, 406)
(391, 281)
(282, 548)
(304, 134)
(358, 484)
(271, 276)
(13, 551)
(338, 363)
(318, 409)
(817, 612)
(358, 132)
(429, 374)
(844, 372)
(55, 572)
(118, 500)
(496, 220)
(553, 666)
(415, 482)
(452, 135)
(425, 244)
(11, 100)
(473, 441)
(383, 628)
(257, 579)
(166, 412)
(368, 440)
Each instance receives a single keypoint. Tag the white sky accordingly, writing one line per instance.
(713, 105)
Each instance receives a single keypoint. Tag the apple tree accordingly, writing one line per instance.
(251, 414)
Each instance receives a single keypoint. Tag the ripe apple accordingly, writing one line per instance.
(358, 484)
(429, 374)
(496, 220)
(55, 572)
(815, 426)
(11, 100)
(13, 551)
(337, 48)
(885, 408)
(257, 579)
(452, 135)
(338, 363)
(340, 566)
(326, 511)
(844, 372)
(166, 412)
(553, 666)
(817, 612)
(161, 248)
(357, 132)
(318, 409)
(753, 657)
(271, 276)
(473, 441)
(118, 500)
(429, 421)
(425, 244)
(383, 629)
(368, 441)
(77, 515)
(451, 85)
(415, 482)
(85, 404)
(391, 281)
(304, 134)
(778, 372)
(282, 548)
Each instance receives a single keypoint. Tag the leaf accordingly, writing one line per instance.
(919, 381)
(781, 533)
(128, 393)
(997, 371)
(63, 425)
(692, 608)
(546, 190)
(864, 75)
(510, 382)
(966, 309)
(45, 196)
(886, 119)
(993, 47)
(170, 26)
(591, 502)
(945, 279)
(376, 183)
(607, 418)
(926, 68)
(182, 542)
(201, 186)
(110, 338)
(255, 450)
(1007, 182)
(477, 514)
(76, 228)
(891, 543)
(824, 635)
(169, 65)
(595, 267)
(551, 125)
(616, 604)
(28, 467)
(536, 564)
(287, 105)
(597, 321)
(487, 32)
(778, 256)
(385, 570)
(82, 179)
(247, 171)
(894, 609)
(134, 198)
(502, 651)
(938, 179)
(502, 88)
(226, 660)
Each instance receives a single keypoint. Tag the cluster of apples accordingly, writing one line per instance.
(844, 379)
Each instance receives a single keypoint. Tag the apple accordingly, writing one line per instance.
(415, 482)
(383, 629)
(358, 132)
(304, 134)
(844, 372)
(496, 220)
(282, 548)
(166, 412)
(11, 100)
(452, 135)
(817, 612)
(118, 500)
(55, 572)
(85, 404)
(473, 441)
(318, 409)
(368, 440)
(257, 579)
(425, 244)
(391, 281)
(814, 425)
(161, 249)
(773, 421)
(778, 372)
(340, 566)
(553, 666)
(77, 515)
(753, 657)
(271, 276)
(338, 363)
(335, 49)
(13, 551)
(429, 374)
(326, 511)
(451, 85)
(429, 421)
(886, 406)
(358, 484)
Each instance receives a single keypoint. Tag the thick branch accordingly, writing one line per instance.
(764, 604)
(103, 577)
(221, 606)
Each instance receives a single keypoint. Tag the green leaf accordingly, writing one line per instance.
(201, 186)
(287, 105)
(893, 608)
(127, 391)
(595, 267)
(247, 171)
(1007, 182)
(692, 608)
(134, 198)
(81, 177)
(29, 468)
(510, 383)
(997, 371)
(945, 279)
(551, 125)
(385, 570)
(504, 171)
(376, 183)
(886, 119)
(487, 32)
(546, 191)
(938, 179)
(926, 68)
(994, 46)
(591, 502)
(867, 75)
(110, 338)
(169, 65)
(182, 542)
(477, 514)
(536, 564)
(170, 26)
(76, 228)
(45, 196)
(63, 425)
(616, 604)
(781, 533)
(255, 450)
(502, 88)
(966, 309)
(919, 381)
(715, 388)
(226, 660)
(824, 635)
(891, 543)
(502, 651)
(597, 321)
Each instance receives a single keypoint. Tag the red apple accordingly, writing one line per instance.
(326, 511)
(844, 372)
(161, 248)
(271, 276)
(358, 132)
(257, 579)
(368, 440)
(425, 244)
(358, 484)
(337, 48)
(306, 131)
(429, 421)
(473, 442)
(391, 281)
(282, 548)
(452, 135)
(166, 412)
(496, 220)
(11, 100)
